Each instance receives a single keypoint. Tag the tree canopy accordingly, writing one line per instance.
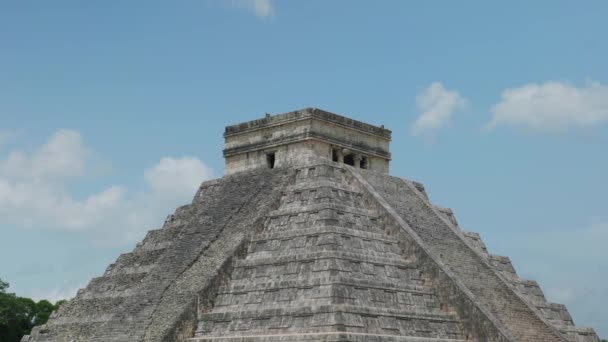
(18, 315)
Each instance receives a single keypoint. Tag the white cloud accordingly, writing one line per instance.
(436, 105)
(63, 156)
(177, 177)
(552, 106)
(32, 186)
(34, 192)
(43, 204)
(261, 8)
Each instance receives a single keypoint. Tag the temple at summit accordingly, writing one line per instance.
(308, 237)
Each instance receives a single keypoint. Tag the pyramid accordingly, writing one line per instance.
(308, 238)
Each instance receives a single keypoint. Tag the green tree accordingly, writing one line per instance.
(43, 312)
(15, 315)
(18, 315)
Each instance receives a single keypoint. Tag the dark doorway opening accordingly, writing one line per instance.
(364, 162)
(270, 160)
(349, 159)
(334, 154)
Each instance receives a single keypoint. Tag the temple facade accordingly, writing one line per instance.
(296, 138)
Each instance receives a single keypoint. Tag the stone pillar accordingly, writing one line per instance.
(340, 155)
(358, 159)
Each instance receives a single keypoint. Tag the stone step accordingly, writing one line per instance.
(320, 171)
(308, 319)
(324, 256)
(530, 289)
(326, 263)
(324, 337)
(475, 240)
(140, 260)
(86, 331)
(325, 294)
(322, 215)
(322, 189)
(316, 195)
(89, 310)
(322, 183)
(288, 301)
(326, 229)
(446, 212)
(340, 209)
(158, 238)
(247, 285)
(555, 313)
(502, 264)
(578, 334)
(302, 201)
(412, 277)
(322, 219)
(111, 285)
(308, 310)
(322, 243)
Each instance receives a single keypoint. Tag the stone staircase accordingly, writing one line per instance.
(324, 269)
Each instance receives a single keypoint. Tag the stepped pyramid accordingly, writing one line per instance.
(308, 238)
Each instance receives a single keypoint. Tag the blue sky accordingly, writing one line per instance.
(111, 113)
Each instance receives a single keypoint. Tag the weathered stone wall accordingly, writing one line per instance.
(286, 155)
(272, 120)
(294, 154)
(292, 136)
(152, 293)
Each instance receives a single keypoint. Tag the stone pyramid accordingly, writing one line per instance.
(308, 238)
